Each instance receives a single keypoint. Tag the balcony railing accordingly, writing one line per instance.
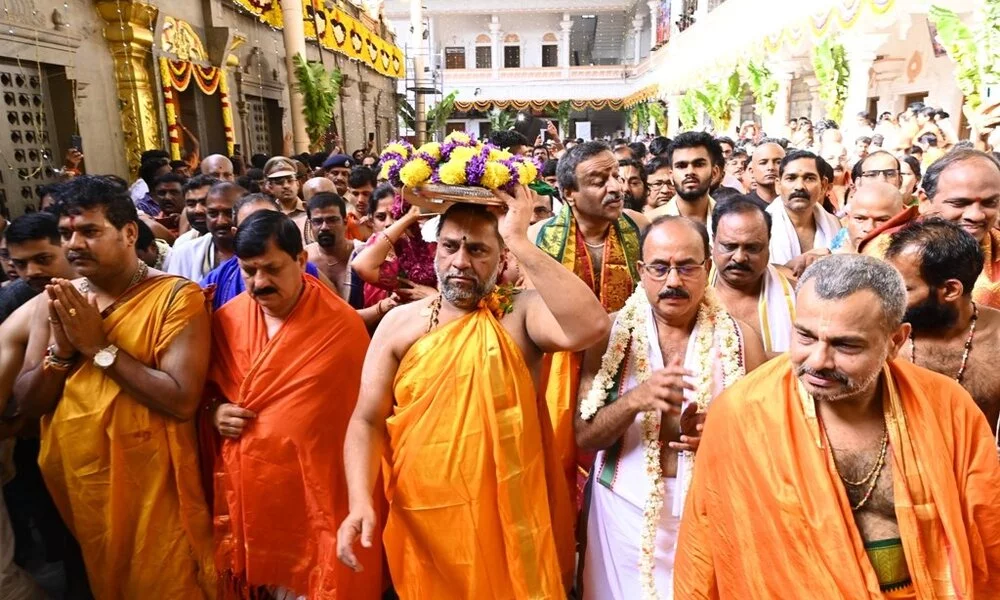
(596, 72)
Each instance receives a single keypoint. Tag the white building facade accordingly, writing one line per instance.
(531, 56)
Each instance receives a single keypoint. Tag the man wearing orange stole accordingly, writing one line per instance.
(286, 362)
(963, 186)
(116, 362)
(597, 239)
(841, 471)
(477, 508)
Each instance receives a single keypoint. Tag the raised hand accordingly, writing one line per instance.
(513, 224)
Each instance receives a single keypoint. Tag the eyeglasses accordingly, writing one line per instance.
(331, 221)
(883, 173)
(660, 272)
(655, 185)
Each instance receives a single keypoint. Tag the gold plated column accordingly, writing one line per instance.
(129, 34)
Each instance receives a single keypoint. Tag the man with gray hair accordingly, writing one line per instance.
(597, 238)
(849, 472)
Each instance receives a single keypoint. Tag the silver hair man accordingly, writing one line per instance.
(844, 275)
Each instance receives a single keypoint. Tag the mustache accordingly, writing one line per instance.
(465, 274)
(799, 194)
(673, 293)
(75, 255)
(264, 291)
(824, 374)
(735, 266)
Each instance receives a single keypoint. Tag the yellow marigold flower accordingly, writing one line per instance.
(431, 148)
(526, 172)
(453, 172)
(462, 154)
(458, 136)
(495, 175)
(497, 154)
(398, 149)
(386, 167)
(415, 172)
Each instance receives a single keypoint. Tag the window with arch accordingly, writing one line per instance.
(550, 50)
(484, 52)
(511, 51)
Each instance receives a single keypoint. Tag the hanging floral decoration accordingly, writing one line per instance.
(177, 76)
(336, 30)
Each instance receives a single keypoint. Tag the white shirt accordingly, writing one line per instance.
(192, 260)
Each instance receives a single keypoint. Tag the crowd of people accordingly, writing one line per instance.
(666, 368)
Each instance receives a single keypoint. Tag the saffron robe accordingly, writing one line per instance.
(124, 477)
(768, 513)
(477, 508)
(280, 489)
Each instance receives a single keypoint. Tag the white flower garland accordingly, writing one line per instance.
(716, 330)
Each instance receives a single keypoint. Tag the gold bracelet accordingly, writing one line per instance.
(386, 237)
(51, 364)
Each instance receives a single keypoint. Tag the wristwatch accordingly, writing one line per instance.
(105, 357)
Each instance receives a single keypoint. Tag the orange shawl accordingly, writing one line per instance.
(767, 512)
(280, 492)
(477, 508)
(125, 477)
(987, 288)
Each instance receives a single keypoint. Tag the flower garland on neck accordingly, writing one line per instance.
(717, 342)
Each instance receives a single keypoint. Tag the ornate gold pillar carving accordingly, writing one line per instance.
(129, 34)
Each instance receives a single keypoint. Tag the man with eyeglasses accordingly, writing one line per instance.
(331, 251)
(643, 394)
(882, 166)
(660, 184)
(283, 185)
(751, 289)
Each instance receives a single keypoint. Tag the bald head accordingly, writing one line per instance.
(764, 166)
(315, 186)
(870, 207)
(218, 166)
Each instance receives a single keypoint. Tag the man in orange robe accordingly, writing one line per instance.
(116, 362)
(963, 187)
(286, 362)
(840, 472)
(597, 239)
(477, 507)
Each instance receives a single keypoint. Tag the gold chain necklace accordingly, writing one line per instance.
(965, 352)
(139, 275)
(872, 477)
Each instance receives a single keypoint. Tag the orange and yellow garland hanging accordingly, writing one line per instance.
(177, 75)
(336, 30)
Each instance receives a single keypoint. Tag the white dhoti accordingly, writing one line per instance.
(614, 530)
(621, 484)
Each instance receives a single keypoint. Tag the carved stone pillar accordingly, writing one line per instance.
(129, 34)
